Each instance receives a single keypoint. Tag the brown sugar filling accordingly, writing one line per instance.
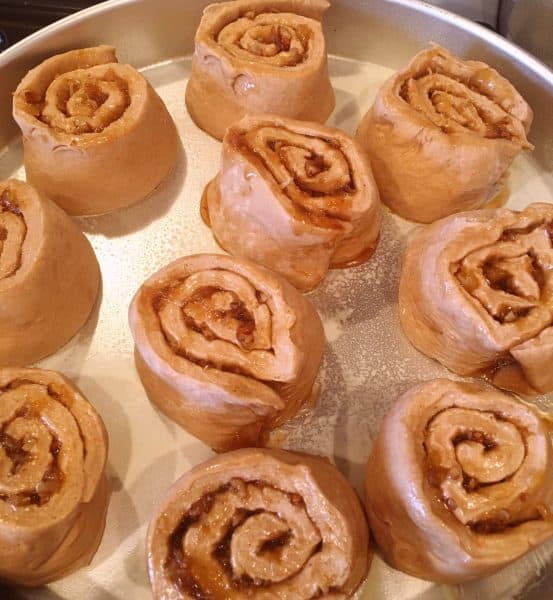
(87, 97)
(34, 103)
(237, 311)
(337, 200)
(265, 38)
(180, 568)
(52, 479)
(498, 278)
(501, 129)
(435, 475)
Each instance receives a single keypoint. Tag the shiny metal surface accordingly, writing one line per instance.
(368, 362)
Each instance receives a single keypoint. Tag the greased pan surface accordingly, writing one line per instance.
(368, 362)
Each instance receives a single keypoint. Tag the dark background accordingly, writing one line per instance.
(19, 18)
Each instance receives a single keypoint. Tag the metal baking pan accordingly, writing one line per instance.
(368, 362)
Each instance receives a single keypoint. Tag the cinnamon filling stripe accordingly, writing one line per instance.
(237, 312)
(267, 37)
(80, 102)
(19, 450)
(457, 106)
(510, 284)
(180, 567)
(314, 172)
(436, 475)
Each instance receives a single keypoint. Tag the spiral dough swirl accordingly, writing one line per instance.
(294, 196)
(52, 459)
(457, 100)
(259, 56)
(29, 447)
(472, 473)
(314, 172)
(46, 292)
(510, 278)
(266, 39)
(238, 532)
(218, 318)
(472, 457)
(96, 136)
(495, 268)
(85, 101)
(441, 134)
(212, 323)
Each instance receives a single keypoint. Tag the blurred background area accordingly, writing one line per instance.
(485, 12)
(20, 18)
(528, 23)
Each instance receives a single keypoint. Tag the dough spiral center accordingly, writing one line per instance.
(313, 172)
(243, 536)
(218, 318)
(459, 99)
(483, 465)
(266, 38)
(32, 424)
(84, 101)
(513, 277)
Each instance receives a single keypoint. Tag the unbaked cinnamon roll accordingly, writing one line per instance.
(259, 524)
(476, 294)
(294, 196)
(49, 276)
(459, 482)
(259, 56)
(225, 348)
(96, 136)
(53, 489)
(441, 134)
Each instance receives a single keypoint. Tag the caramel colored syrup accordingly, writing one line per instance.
(545, 513)
(484, 80)
(502, 197)
(361, 258)
(508, 375)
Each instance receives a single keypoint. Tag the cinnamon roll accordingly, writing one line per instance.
(441, 134)
(259, 524)
(294, 196)
(476, 294)
(459, 482)
(53, 490)
(49, 276)
(259, 56)
(225, 348)
(96, 136)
